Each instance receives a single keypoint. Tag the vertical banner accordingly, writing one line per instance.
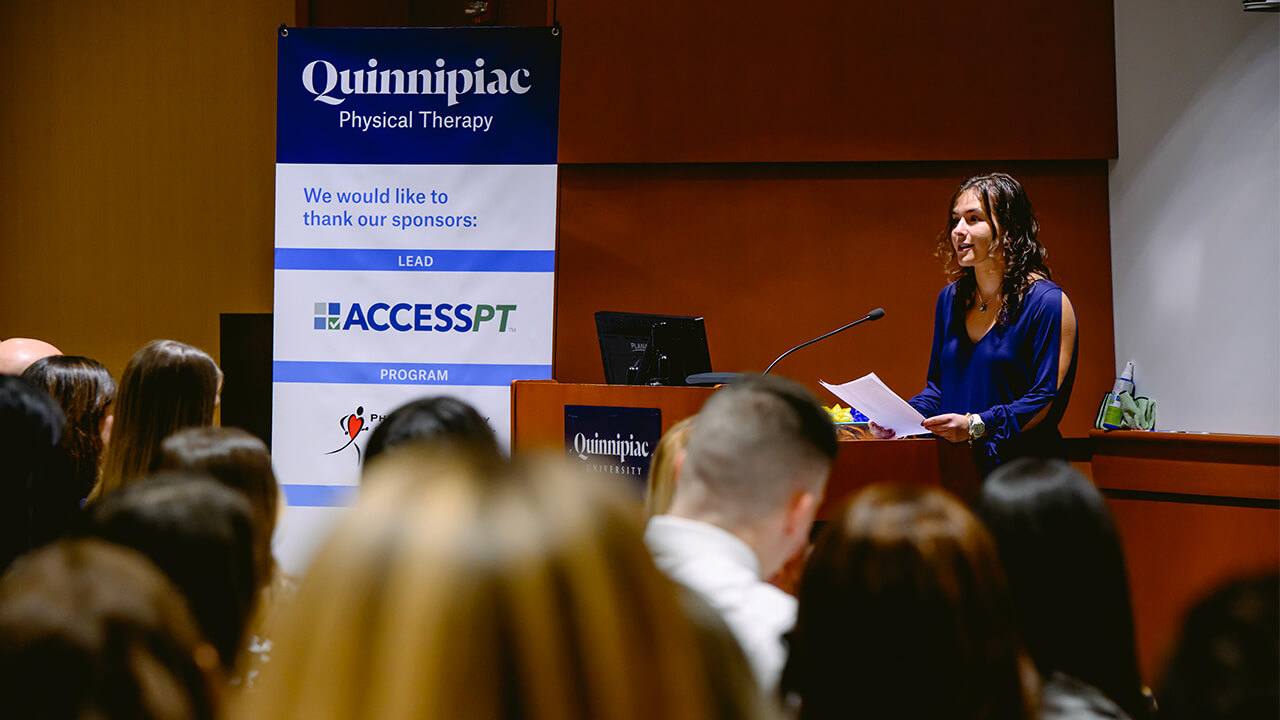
(415, 239)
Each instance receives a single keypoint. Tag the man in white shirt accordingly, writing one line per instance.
(747, 489)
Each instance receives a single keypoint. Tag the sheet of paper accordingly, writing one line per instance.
(883, 406)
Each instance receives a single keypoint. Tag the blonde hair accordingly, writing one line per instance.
(166, 386)
(525, 592)
(661, 486)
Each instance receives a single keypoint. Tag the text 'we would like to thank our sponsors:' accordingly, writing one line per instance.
(403, 197)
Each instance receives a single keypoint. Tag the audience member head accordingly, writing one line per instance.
(904, 613)
(1227, 664)
(662, 467)
(240, 461)
(200, 533)
(165, 387)
(17, 354)
(441, 420)
(525, 592)
(93, 630)
(85, 390)
(33, 503)
(756, 465)
(1062, 556)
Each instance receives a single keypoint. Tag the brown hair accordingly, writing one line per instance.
(521, 593)
(85, 390)
(89, 629)
(661, 485)
(200, 534)
(1015, 232)
(904, 613)
(166, 386)
(240, 461)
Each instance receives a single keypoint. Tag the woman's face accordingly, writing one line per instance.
(973, 234)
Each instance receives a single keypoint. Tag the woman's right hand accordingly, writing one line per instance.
(880, 433)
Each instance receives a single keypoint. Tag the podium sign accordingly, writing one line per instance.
(613, 440)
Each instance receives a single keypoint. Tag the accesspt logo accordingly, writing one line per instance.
(414, 317)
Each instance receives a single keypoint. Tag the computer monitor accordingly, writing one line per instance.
(640, 349)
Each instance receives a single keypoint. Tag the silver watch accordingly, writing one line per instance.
(977, 428)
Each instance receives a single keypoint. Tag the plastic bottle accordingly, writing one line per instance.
(1113, 416)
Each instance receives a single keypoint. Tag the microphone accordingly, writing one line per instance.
(873, 315)
(724, 378)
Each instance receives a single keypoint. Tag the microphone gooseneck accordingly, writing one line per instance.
(873, 315)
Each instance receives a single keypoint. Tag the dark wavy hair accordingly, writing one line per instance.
(85, 390)
(1015, 228)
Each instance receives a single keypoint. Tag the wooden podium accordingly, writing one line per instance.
(537, 422)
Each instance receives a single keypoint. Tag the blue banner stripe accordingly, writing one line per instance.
(529, 261)
(320, 495)
(374, 373)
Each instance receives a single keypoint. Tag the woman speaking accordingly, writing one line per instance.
(1004, 335)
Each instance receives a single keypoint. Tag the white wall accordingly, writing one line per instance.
(1195, 212)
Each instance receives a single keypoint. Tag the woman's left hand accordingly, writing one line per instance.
(951, 426)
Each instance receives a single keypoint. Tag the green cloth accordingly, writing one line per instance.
(1139, 413)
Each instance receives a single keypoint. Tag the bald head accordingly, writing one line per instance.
(17, 354)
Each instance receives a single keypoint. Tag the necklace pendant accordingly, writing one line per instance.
(982, 308)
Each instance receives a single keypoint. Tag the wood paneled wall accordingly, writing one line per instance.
(761, 81)
(137, 193)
